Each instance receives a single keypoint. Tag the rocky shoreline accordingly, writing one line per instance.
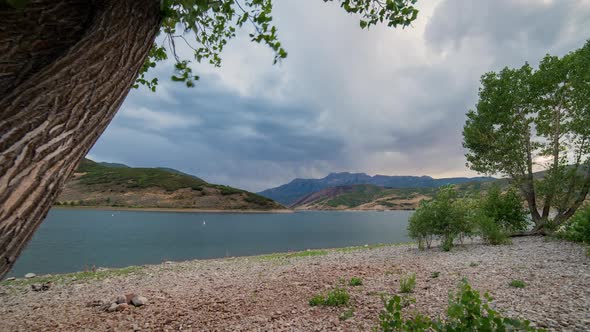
(271, 293)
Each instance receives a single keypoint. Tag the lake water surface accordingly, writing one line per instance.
(72, 240)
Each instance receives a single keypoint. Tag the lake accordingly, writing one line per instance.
(74, 240)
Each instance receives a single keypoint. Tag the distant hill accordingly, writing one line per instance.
(117, 185)
(288, 194)
(104, 163)
(372, 197)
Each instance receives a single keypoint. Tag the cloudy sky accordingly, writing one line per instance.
(382, 101)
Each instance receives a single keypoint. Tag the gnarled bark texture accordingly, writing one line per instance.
(65, 68)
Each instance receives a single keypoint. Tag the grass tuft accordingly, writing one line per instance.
(517, 283)
(335, 298)
(407, 285)
(354, 281)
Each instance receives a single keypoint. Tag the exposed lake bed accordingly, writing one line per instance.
(272, 292)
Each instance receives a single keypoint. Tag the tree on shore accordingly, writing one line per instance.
(529, 121)
(67, 65)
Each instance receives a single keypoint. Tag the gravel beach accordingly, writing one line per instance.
(271, 293)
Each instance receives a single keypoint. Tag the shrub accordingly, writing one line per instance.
(354, 281)
(447, 243)
(391, 319)
(517, 283)
(505, 209)
(443, 218)
(466, 312)
(420, 226)
(490, 231)
(407, 285)
(335, 298)
(473, 264)
(577, 228)
(434, 274)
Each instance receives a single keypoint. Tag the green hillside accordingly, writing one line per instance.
(371, 197)
(130, 177)
(117, 185)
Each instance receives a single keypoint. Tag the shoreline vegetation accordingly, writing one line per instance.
(274, 291)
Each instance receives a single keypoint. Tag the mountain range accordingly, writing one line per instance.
(288, 194)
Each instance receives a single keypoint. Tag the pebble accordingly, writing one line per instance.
(121, 299)
(122, 306)
(112, 307)
(128, 297)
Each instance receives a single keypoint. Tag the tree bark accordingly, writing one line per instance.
(65, 68)
(528, 187)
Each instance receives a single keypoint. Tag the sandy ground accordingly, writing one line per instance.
(272, 293)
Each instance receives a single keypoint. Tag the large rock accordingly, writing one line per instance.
(30, 275)
(138, 301)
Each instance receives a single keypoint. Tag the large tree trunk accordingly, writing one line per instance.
(65, 68)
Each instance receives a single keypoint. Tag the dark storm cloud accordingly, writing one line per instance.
(508, 28)
(380, 101)
(209, 131)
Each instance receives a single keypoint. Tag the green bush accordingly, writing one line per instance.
(407, 285)
(354, 281)
(421, 225)
(490, 231)
(391, 319)
(448, 217)
(434, 274)
(466, 312)
(577, 228)
(442, 218)
(447, 243)
(335, 298)
(505, 209)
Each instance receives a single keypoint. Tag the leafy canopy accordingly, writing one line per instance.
(536, 119)
(206, 26)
